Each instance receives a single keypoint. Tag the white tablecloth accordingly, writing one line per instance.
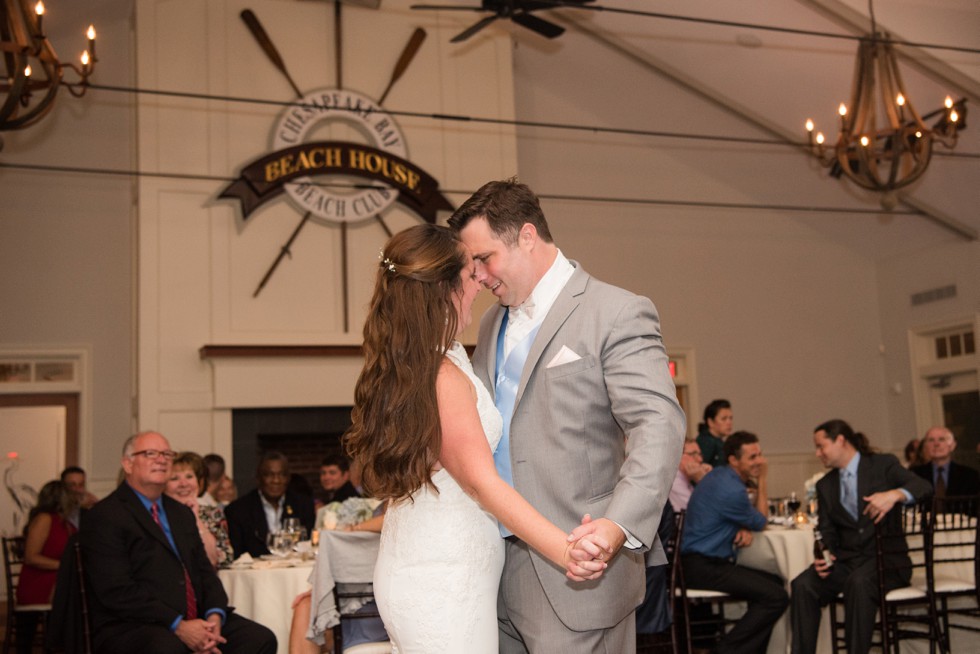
(266, 595)
(345, 557)
(785, 552)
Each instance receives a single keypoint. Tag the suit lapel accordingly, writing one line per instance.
(566, 303)
(172, 507)
(836, 503)
(133, 504)
(258, 514)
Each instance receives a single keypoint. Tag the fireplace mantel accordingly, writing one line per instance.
(264, 351)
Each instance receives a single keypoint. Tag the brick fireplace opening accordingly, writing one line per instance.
(304, 434)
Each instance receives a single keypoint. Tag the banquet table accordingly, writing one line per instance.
(265, 593)
(345, 557)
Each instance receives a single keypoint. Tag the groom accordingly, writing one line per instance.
(591, 422)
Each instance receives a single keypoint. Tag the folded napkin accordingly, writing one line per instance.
(244, 561)
(273, 563)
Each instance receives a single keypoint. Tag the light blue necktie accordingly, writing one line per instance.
(507, 378)
(849, 497)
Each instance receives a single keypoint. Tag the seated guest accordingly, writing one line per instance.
(48, 530)
(721, 519)
(74, 478)
(214, 472)
(846, 522)
(227, 491)
(912, 453)
(252, 516)
(946, 476)
(335, 480)
(718, 424)
(186, 483)
(153, 589)
(690, 471)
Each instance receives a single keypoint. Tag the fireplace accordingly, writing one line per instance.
(304, 434)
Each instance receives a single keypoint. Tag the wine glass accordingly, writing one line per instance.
(794, 504)
(279, 543)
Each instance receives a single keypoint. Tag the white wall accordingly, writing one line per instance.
(66, 240)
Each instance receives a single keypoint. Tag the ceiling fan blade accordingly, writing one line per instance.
(473, 29)
(541, 26)
(447, 7)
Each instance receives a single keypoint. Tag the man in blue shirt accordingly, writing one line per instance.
(153, 589)
(720, 519)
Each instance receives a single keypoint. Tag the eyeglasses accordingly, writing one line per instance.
(169, 455)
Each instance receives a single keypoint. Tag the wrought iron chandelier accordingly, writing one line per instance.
(33, 72)
(884, 144)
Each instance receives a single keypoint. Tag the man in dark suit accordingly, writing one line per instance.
(252, 516)
(859, 491)
(946, 476)
(154, 590)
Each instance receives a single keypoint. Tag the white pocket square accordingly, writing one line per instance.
(565, 355)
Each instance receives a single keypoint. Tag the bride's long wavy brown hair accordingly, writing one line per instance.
(412, 320)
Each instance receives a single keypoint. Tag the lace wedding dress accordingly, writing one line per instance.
(440, 561)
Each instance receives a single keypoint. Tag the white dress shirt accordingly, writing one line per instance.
(524, 318)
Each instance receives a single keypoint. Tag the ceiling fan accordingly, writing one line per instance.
(518, 11)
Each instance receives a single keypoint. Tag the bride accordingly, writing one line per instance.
(424, 428)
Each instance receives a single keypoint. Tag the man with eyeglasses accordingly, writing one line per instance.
(152, 585)
(691, 470)
(252, 516)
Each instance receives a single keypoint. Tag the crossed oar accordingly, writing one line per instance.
(407, 55)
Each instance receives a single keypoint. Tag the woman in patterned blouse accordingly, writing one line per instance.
(187, 483)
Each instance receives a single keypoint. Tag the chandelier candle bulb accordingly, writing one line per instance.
(90, 33)
(39, 11)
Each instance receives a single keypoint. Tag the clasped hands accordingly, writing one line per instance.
(591, 546)
(201, 636)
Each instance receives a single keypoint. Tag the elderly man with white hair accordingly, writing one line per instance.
(946, 476)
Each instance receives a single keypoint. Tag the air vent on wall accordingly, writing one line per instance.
(934, 294)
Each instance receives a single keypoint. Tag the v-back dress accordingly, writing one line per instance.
(441, 557)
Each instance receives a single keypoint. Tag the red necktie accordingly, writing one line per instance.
(188, 586)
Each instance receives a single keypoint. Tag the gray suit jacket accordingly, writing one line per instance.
(600, 435)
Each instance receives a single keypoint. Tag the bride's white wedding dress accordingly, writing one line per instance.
(441, 557)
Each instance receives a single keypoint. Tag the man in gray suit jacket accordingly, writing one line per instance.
(592, 423)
